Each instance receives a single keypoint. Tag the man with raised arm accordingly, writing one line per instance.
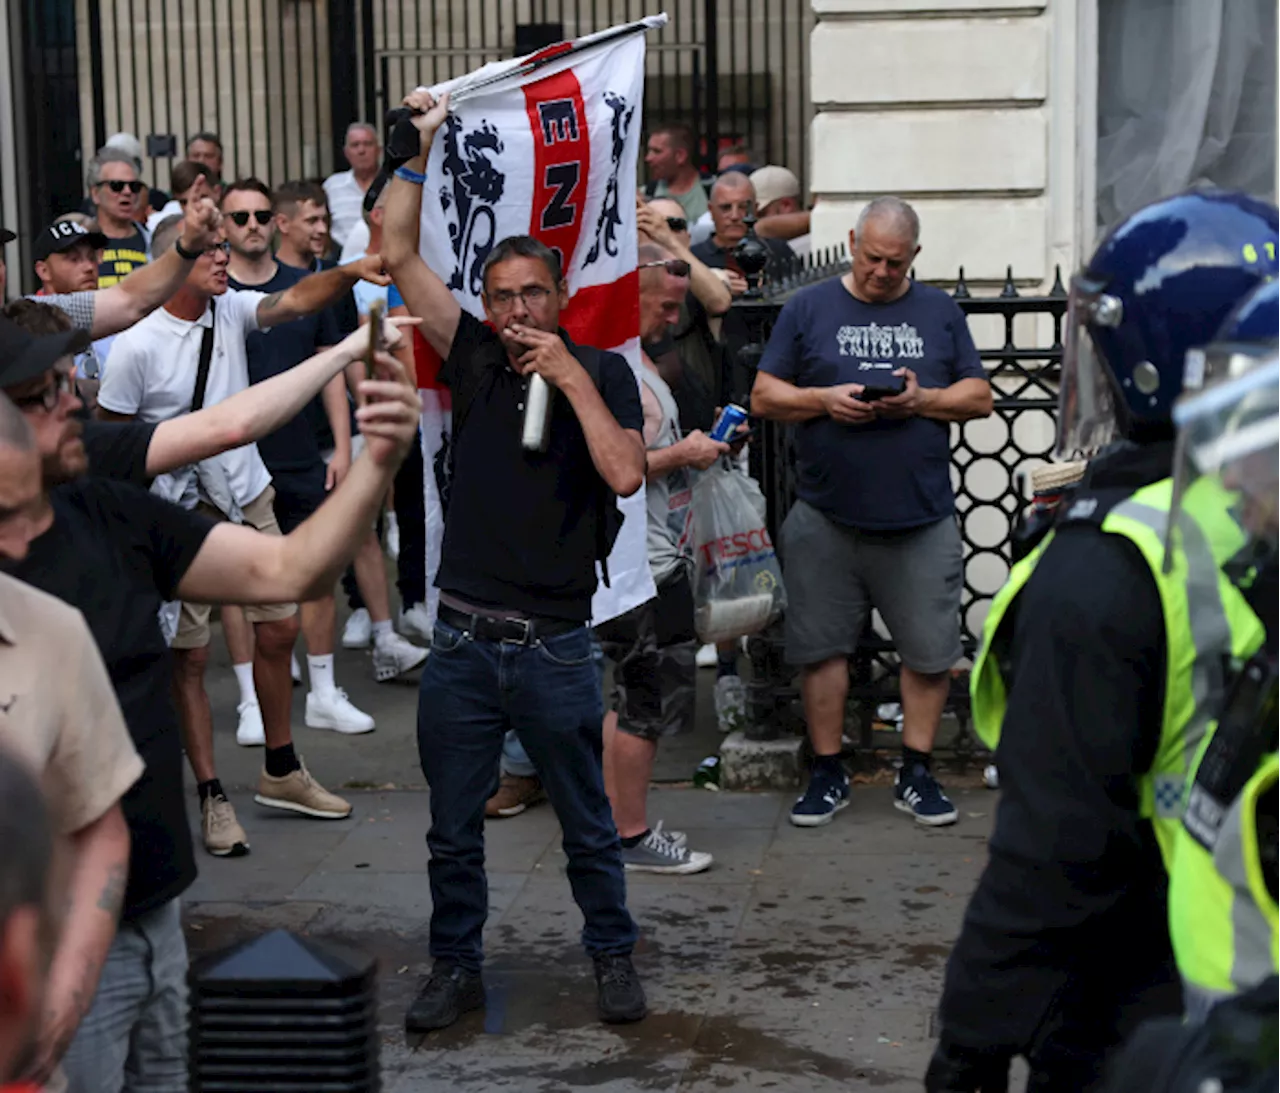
(511, 647)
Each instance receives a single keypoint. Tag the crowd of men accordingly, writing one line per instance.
(193, 416)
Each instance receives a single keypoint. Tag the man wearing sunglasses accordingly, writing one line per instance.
(118, 198)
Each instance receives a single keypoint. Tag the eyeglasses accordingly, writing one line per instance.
(48, 397)
(240, 219)
(224, 246)
(677, 267)
(533, 296)
(118, 186)
(677, 223)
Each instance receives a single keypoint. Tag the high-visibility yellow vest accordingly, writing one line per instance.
(1222, 918)
(1207, 624)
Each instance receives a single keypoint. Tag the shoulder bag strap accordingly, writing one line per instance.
(206, 355)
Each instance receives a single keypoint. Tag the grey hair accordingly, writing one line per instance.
(25, 830)
(166, 234)
(733, 180)
(107, 155)
(893, 209)
(15, 432)
(356, 126)
(521, 246)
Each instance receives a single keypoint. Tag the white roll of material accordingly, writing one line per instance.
(724, 620)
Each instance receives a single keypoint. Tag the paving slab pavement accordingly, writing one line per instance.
(803, 959)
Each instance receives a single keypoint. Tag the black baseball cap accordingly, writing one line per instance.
(62, 235)
(6, 236)
(25, 356)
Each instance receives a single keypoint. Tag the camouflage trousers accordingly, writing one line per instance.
(653, 647)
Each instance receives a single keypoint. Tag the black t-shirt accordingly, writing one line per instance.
(116, 553)
(346, 316)
(118, 449)
(293, 446)
(120, 257)
(734, 332)
(520, 532)
(1073, 870)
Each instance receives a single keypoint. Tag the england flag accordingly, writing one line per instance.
(544, 145)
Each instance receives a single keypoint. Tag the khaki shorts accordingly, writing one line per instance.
(193, 620)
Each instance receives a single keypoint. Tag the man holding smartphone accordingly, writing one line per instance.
(874, 524)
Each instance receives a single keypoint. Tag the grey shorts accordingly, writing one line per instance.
(134, 1036)
(836, 575)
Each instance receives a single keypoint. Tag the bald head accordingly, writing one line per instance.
(661, 292)
(666, 206)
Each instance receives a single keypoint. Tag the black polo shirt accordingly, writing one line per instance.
(520, 532)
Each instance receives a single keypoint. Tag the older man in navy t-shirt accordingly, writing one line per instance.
(873, 525)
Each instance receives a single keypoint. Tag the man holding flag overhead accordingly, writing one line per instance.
(533, 496)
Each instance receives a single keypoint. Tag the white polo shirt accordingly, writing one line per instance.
(346, 204)
(153, 375)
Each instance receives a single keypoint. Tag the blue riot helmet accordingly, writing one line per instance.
(1159, 284)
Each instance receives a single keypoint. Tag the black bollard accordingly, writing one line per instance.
(284, 1014)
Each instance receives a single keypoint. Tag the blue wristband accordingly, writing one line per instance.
(411, 176)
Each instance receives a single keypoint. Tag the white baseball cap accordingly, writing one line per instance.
(772, 183)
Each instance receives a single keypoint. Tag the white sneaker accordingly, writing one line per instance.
(391, 537)
(249, 733)
(295, 669)
(334, 711)
(706, 657)
(358, 632)
(415, 624)
(393, 656)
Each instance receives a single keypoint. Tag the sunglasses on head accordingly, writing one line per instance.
(677, 223)
(118, 186)
(240, 219)
(677, 267)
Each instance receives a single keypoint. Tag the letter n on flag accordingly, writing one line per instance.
(544, 145)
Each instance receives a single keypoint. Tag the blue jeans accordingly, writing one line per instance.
(472, 693)
(515, 760)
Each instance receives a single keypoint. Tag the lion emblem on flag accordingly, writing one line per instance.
(475, 186)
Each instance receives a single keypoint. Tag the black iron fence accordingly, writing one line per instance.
(1019, 339)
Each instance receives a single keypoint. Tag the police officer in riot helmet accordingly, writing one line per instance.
(1096, 668)
(1223, 883)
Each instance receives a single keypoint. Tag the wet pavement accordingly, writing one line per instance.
(804, 959)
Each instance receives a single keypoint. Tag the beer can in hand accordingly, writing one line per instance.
(727, 424)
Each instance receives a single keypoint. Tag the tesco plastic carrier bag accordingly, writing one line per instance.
(737, 581)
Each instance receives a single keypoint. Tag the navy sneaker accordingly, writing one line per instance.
(917, 791)
(827, 794)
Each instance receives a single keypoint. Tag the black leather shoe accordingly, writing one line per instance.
(620, 997)
(448, 994)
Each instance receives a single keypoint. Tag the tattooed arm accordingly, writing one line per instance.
(98, 870)
(318, 291)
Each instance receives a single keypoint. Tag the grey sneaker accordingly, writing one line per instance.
(677, 838)
(731, 703)
(657, 854)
